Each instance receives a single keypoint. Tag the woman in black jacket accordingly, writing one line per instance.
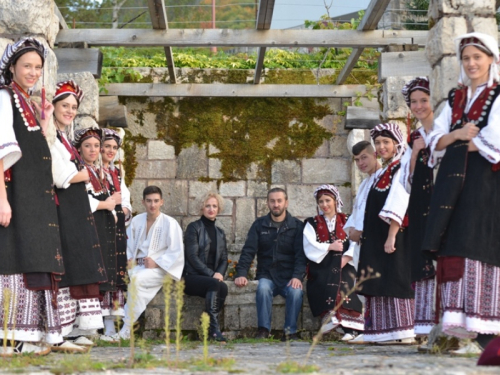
(205, 253)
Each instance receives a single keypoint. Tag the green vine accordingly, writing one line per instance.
(130, 160)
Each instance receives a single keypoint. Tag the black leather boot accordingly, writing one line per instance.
(212, 307)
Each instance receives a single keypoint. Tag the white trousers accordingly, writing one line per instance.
(144, 285)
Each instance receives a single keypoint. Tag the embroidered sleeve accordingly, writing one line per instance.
(125, 196)
(396, 203)
(172, 259)
(441, 127)
(10, 152)
(488, 139)
(63, 169)
(315, 251)
(406, 176)
(94, 203)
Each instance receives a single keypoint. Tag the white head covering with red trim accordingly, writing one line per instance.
(69, 87)
(392, 131)
(332, 191)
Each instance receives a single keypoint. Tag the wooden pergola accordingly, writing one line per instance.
(262, 37)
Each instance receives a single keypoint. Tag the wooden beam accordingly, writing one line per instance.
(370, 20)
(62, 21)
(111, 112)
(73, 60)
(233, 90)
(242, 38)
(361, 118)
(159, 22)
(264, 18)
(401, 64)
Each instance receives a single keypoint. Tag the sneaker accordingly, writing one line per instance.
(348, 337)
(407, 341)
(68, 347)
(290, 337)
(83, 341)
(262, 333)
(472, 348)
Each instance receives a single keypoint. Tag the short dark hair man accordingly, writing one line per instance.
(277, 240)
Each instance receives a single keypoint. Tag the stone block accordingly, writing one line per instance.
(485, 25)
(355, 136)
(320, 171)
(90, 103)
(346, 195)
(256, 189)
(285, 172)
(155, 169)
(226, 224)
(192, 163)
(185, 221)
(136, 189)
(84, 122)
(241, 299)
(252, 171)
(393, 101)
(197, 189)
(262, 208)
(227, 209)
(338, 147)
(21, 17)
(154, 318)
(323, 151)
(301, 200)
(248, 316)
(309, 322)
(233, 189)
(245, 216)
(141, 152)
(160, 150)
(443, 78)
(278, 317)
(231, 317)
(141, 122)
(356, 179)
(441, 38)
(483, 8)
(175, 195)
(214, 166)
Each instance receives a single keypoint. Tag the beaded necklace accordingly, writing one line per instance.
(23, 103)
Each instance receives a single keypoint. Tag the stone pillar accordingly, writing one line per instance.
(20, 18)
(449, 20)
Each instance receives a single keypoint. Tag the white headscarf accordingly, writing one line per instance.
(482, 41)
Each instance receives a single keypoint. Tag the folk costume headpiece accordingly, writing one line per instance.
(83, 134)
(391, 131)
(111, 134)
(16, 50)
(332, 191)
(419, 83)
(69, 87)
(485, 43)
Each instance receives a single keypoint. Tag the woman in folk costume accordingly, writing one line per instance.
(88, 142)
(116, 186)
(465, 206)
(331, 272)
(417, 178)
(389, 305)
(32, 261)
(78, 296)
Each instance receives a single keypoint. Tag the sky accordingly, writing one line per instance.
(290, 13)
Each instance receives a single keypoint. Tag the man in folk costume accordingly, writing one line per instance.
(417, 178)
(155, 245)
(465, 206)
(331, 271)
(366, 161)
(32, 261)
(389, 298)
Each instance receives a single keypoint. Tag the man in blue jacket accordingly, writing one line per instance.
(277, 240)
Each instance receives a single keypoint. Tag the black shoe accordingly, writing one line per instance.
(290, 337)
(212, 308)
(262, 333)
(217, 336)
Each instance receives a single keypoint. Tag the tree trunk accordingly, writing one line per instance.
(117, 4)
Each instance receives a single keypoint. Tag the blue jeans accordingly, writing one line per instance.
(266, 290)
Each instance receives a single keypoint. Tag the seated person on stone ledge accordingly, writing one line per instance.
(205, 251)
(277, 240)
(155, 246)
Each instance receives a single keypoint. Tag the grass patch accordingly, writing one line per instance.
(292, 367)
(21, 362)
(225, 364)
(70, 364)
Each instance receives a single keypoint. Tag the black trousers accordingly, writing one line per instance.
(198, 285)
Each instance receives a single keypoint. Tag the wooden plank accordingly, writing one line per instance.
(73, 60)
(62, 21)
(233, 90)
(370, 20)
(264, 18)
(400, 64)
(112, 113)
(361, 118)
(242, 38)
(265, 14)
(159, 22)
